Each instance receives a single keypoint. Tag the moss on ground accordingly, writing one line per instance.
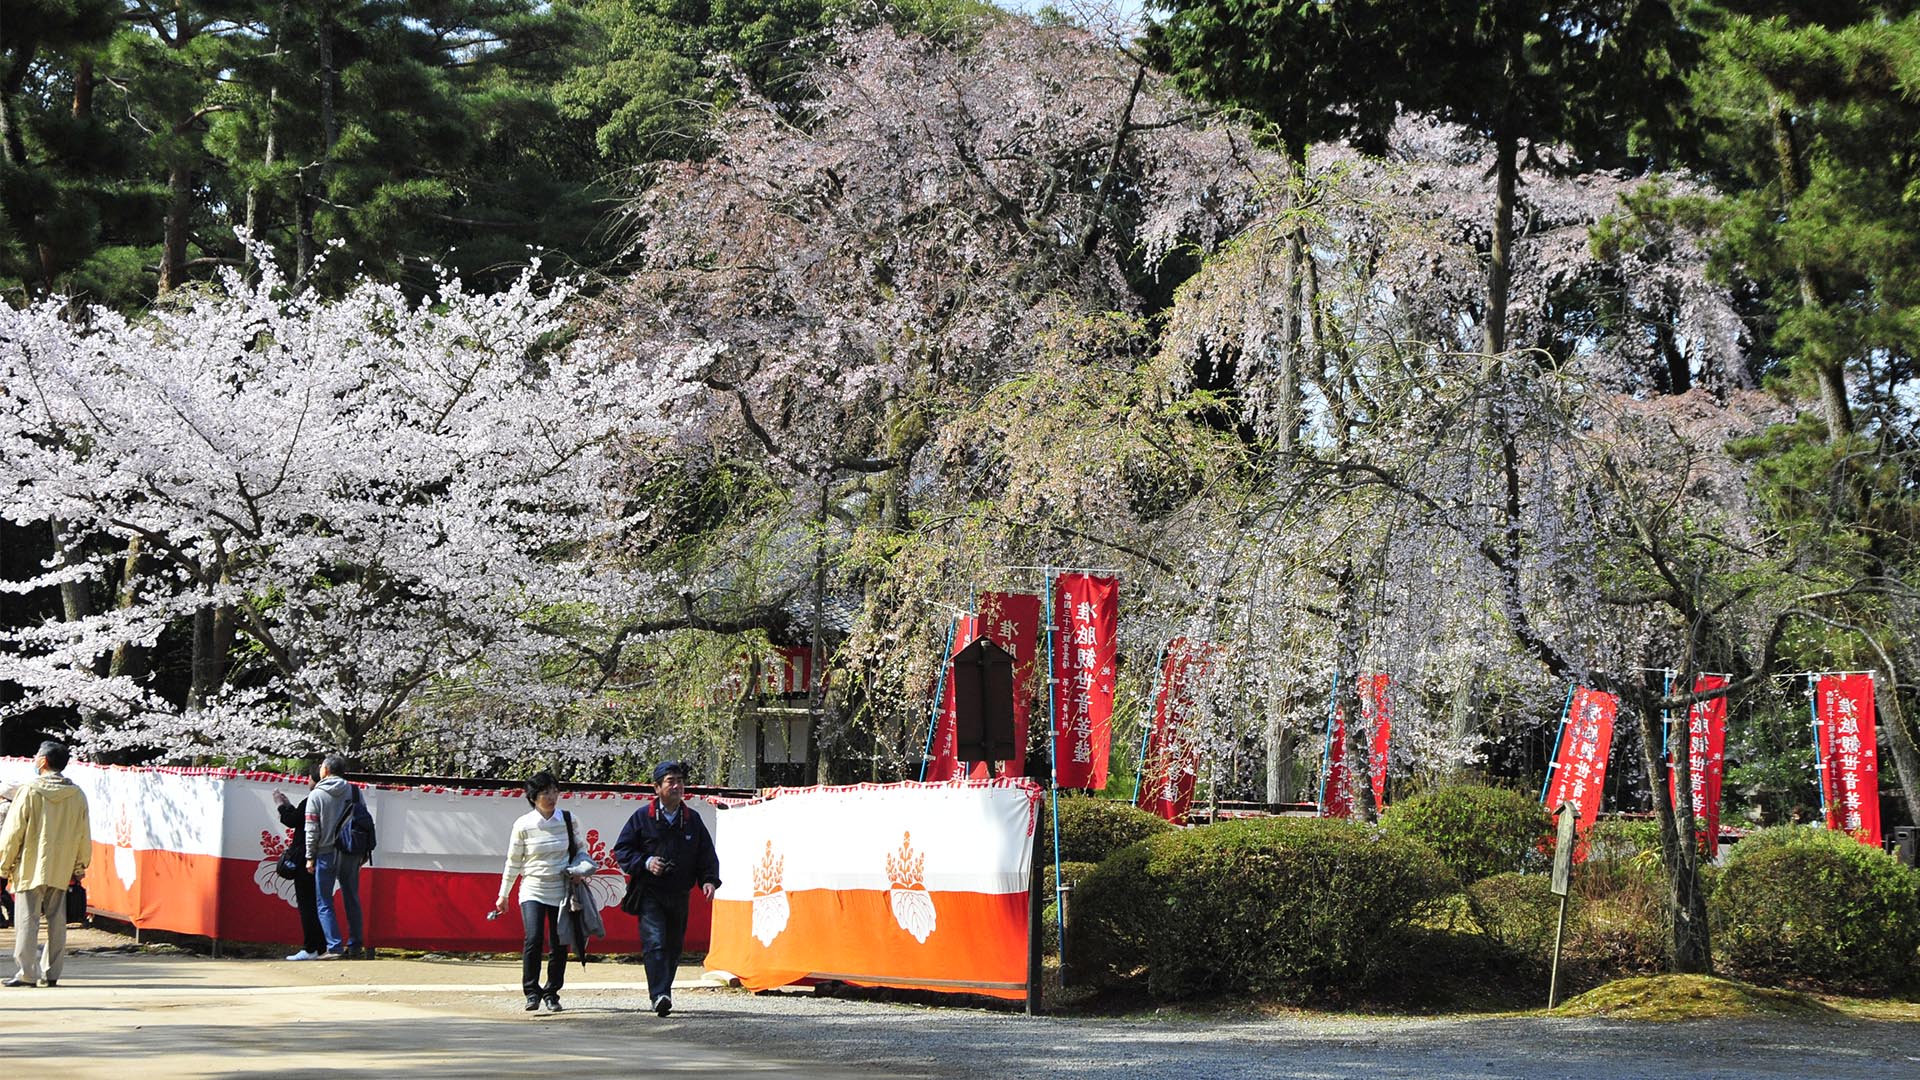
(1691, 997)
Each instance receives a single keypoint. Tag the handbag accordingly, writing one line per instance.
(630, 901)
(76, 903)
(289, 867)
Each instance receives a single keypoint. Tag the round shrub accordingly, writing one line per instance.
(1284, 906)
(1518, 911)
(1796, 902)
(1070, 872)
(1478, 831)
(1092, 829)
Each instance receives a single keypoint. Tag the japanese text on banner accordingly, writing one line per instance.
(1579, 770)
(1085, 619)
(1848, 754)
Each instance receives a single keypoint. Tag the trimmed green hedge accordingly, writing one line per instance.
(1478, 831)
(1285, 906)
(1092, 829)
(1807, 903)
(1518, 911)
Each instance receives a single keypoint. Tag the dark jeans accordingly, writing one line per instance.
(330, 869)
(306, 898)
(533, 914)
(663, 929)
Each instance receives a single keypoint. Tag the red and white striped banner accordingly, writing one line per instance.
(192, 851)
(1847, 752)
(1012, 620)
(1168, 768)
(1579, 769)
(946, 763)
(921, 886)
(1706, 759)
(1085, 620)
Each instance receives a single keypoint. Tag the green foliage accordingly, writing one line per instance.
(1291, 907)
(1478, 831)
(1070, 872)
(1807, 903)
(1518, 911)
(1092, 829)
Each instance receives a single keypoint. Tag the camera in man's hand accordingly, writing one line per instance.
(666, 865)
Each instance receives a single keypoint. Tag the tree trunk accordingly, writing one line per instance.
(173, 247)
(1691, 943)
(129, 660)
(1500, 268)
(1828, 372)
(1464, 712)
(254, 193)
(76, 602)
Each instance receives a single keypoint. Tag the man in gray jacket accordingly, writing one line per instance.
(327, 806)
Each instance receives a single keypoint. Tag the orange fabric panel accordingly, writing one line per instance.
(854, 935)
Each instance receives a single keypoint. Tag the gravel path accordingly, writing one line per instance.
(923, 1041)
(128, 1015)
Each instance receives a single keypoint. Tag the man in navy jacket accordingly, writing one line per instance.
(666, 850)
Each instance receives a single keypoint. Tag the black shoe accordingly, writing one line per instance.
(50, 982)
(662, 1005)
(553, 1003)
(533, 1003)
(16, 982)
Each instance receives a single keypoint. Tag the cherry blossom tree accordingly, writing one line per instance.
(370, 512)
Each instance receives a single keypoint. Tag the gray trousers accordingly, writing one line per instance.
(29, 906)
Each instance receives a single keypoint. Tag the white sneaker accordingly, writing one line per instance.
(304, 955)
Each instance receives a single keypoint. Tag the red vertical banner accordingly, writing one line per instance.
(1376, 714)
(1706, 759)
(1173, 748)
(1579, 768)
(946, 735)
(1848, 754)
(1336, 784)
(1377, 710)
(1012, 620)
(1085, 620)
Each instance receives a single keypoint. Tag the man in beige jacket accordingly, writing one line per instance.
(45, 847)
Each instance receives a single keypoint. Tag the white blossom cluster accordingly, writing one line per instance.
(378, 494)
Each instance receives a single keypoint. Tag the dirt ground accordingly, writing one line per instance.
(122, 1013)
(130, 1013)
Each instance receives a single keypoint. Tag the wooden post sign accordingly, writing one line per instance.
(1569, 815)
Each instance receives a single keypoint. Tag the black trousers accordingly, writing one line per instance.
(533, 916)
(663, 930)
(306, 898)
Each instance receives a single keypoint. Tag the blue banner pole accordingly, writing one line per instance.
(1139, 775)
(1326, 752)
(1554, 761)
(939, 697)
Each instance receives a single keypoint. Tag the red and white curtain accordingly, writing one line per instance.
(192, 851)
(908, 885)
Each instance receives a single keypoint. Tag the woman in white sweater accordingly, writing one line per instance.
(538, 854)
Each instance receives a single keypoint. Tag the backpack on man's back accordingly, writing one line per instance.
(356, 827)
